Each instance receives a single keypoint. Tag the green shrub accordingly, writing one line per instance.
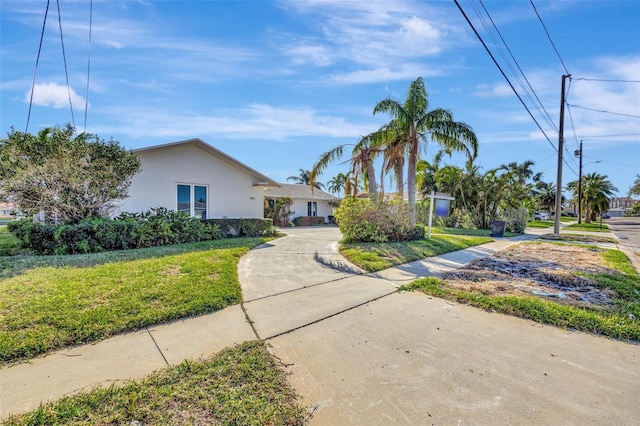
(516, 220)
(365, 220)
(308, 221)
(153, 228)
(251, 228)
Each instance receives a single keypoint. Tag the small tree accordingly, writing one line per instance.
(68, 176)
(279, 210)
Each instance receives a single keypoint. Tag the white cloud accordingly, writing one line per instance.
(55, 95)
(495, 91)
(255, 121)
(367, 37)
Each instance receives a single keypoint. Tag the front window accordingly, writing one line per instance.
(192, 200)
(312, 208)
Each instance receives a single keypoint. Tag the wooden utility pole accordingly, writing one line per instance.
(580, 186)
(556, 225)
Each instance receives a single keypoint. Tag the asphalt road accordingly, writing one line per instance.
(628, 230)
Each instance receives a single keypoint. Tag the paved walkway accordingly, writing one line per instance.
(361, 353)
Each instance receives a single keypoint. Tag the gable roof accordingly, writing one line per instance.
(260, 179)
(298, 191)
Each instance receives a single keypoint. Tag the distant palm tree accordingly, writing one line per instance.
(596, 190)
(362, 157)
(635, 188)
(413, 123)
(304, 178)
(339, 183)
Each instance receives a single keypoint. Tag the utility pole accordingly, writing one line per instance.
(579, 153)
(556, 225)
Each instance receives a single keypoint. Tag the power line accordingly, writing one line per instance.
(608, 80)
(502, 72)
(86, 99)
(549, 37)
(606, 112)
(35, 73)
(550, 120)
(64, 58)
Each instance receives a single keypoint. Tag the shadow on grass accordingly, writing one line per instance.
(15, 265)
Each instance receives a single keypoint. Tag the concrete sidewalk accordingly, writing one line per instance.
(363, 354)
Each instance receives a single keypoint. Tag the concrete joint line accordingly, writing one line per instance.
(297, 289)
(249, 320)
(329, 316)
(158, 347)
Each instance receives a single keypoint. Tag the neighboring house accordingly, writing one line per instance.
(7, 210)
(198, 179)
(618, 206)
(305, 201)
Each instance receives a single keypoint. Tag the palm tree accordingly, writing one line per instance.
(635, 188)
(362, 157)
(304, 178)
(338, 183)
(545, 195)
(596, 190)
(413, 123)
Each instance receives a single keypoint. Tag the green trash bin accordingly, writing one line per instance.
(497, 228)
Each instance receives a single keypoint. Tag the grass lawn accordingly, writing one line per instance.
(540, 224)
(621, 322)
(238, 386)
(377, 256)
(468, 232)
(593, 227)
(51, 302)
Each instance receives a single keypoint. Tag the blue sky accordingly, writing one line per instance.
(276, 84)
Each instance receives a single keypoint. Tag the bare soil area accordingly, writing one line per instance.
(549, 271)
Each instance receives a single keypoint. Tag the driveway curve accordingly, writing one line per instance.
(361, 353)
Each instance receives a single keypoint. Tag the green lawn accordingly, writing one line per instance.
(540, 224)
(238, 386)
(592, 227)
(621, 322)
(467, 232)
(51, 302)
(377, 256)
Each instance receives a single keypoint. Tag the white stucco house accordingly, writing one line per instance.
(194, 177)
(305, 201)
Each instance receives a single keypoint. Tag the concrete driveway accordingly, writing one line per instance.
(361, 353)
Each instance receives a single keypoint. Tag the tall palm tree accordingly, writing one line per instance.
(414, 123)
(304, 178)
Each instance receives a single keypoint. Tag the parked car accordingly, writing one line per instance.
(541, 216)
(569, 214)
(606, 216)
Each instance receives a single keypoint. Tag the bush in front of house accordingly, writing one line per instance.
(308, 221)
(252, 228)
(127, 231)
(366, 220)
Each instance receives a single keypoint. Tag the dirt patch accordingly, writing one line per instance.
(542, 270)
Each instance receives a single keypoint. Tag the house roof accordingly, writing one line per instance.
(261, 180)
(298, 191)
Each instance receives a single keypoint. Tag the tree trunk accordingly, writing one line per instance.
(399, 171)
(411, 178)
(371, 176)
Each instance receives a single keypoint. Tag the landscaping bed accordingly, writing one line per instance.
(587, 288)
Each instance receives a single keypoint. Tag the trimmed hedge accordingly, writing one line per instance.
(308, 221)
(235, 228)
(128, 231)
